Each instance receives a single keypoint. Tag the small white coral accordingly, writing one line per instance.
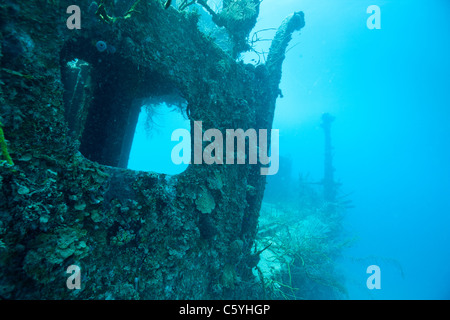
(205, 202)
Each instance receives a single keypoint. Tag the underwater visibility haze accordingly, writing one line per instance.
(388, 90)
(99, 120)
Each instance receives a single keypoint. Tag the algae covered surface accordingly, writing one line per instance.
(67, 107)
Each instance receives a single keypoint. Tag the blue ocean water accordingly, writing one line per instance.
(150, 150)
(389, 92)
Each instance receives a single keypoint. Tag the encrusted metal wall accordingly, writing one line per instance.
(135, 235)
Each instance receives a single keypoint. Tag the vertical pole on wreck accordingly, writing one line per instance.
(329, 186)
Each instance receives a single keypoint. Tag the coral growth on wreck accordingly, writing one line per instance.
(68, 112)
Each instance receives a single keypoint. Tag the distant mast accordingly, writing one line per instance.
(329, 186)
